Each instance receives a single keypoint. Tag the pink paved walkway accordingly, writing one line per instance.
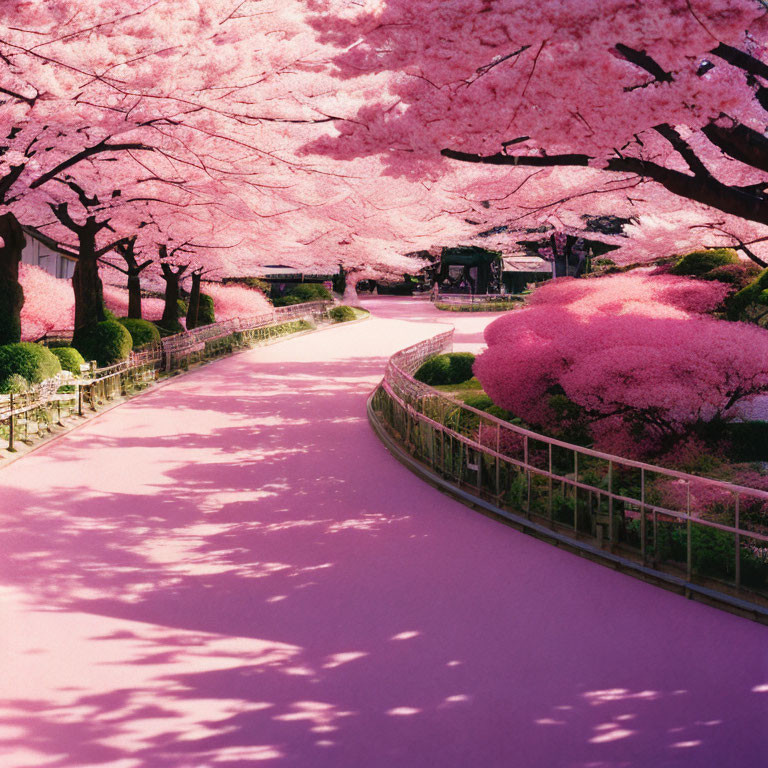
(231, 571)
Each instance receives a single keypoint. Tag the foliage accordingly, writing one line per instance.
(15, 384)
(304, 292)
(205, 311)
(107, 342)
(451, 368)
(142, 331)
(49, 303)
(116, 300)
(311, 292)
(69, 358)
(231, 301)
(341, 314)
(751, 302)
(631, 356)
(738, 275)
(697, 263)
(33, 362)
(286, 301)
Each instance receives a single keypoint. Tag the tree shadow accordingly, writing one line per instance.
(232, 570)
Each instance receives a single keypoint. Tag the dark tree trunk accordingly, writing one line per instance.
(170, 320)
(171, 309)
(134, 297)
(89, 291)
(194, 301)
(11, 293)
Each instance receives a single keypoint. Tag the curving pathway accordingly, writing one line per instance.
(232, 571)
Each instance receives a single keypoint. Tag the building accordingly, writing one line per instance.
(39, 255)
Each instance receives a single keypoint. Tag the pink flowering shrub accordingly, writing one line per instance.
(231, 301)
(49, 303)
(633, 351)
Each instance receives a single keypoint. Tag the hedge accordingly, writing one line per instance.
(451, 368)
(33, 362)
(699, 262)
(69, 358)
(205, 313)
(142, 332)
(107, 342)
(342, 313)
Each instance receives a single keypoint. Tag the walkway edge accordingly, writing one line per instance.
(671, 583)
(6, 461)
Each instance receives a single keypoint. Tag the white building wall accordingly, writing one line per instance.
(39, 255)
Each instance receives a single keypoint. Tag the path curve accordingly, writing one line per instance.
(232, 571)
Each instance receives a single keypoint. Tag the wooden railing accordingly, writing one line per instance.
(693, 531)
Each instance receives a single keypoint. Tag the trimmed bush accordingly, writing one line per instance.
(698, 263)
(341, 314)
(107, 342)
(205, 313)
(164, 331)
(69, 358)
(452, 368)
(284, 301)
(33, 362)
(310, 292)
(14, 384)
(142, 331)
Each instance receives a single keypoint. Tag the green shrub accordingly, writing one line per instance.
(69, 358)
(738, 305)
(452, 368)
(182, 307)
(107, 342)
(33, 362)
(142, 331)
(205, 313)
(170, 330)
(341, 314)
(284, 301)
(15, 384)
(698, 262)
(310, 292)
(739, 275)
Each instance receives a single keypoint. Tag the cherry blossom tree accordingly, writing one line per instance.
(634, 353)
(673, 91)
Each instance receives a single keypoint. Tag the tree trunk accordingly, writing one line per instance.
(350, 290)
(194, 301)
(89, 292)
(134, 296)
(11, 293)
(171, 310)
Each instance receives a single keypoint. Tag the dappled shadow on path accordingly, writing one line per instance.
(231, 570)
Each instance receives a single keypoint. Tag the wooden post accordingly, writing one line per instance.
(10, 427)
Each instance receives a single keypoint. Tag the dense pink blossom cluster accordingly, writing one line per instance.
(49, 303)
(231, 301)
(633, 351)
(116, 301)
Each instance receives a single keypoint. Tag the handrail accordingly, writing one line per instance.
(104, 383)
(427, 421)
